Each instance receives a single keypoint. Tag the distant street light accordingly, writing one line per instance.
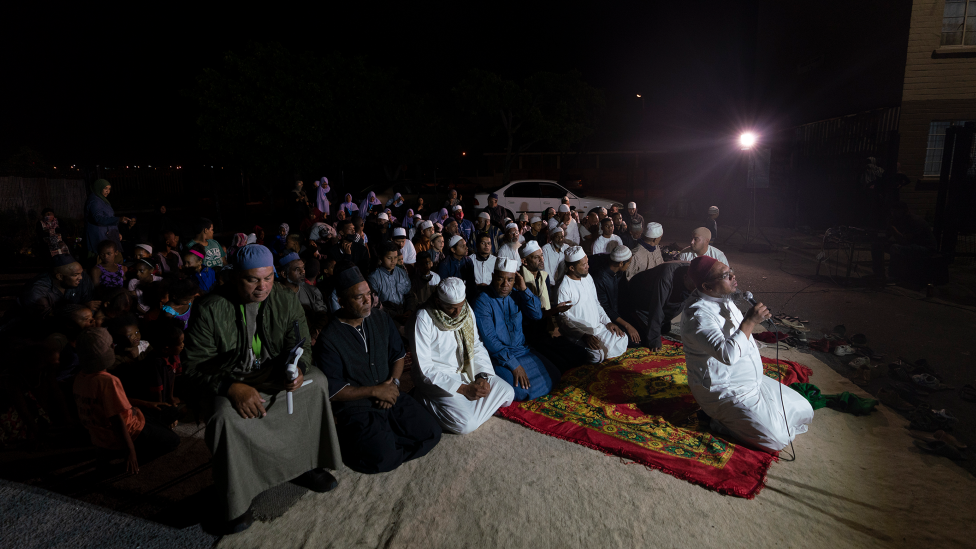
(642, 101)
(747, 140)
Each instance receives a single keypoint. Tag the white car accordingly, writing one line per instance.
(535, 195)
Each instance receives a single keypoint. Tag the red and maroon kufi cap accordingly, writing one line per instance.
(699, 269)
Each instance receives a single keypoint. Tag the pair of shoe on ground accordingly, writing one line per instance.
(942, 444)
(316, 480)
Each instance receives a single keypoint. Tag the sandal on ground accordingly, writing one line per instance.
(892, 399)
(929, 381)
(859, 362)
(949, 439)
(968, 392)
(946, 414)
(939, 448)
(925, 419)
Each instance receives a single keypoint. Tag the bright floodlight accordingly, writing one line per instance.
(747, 140)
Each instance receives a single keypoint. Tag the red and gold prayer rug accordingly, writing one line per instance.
(639, 407)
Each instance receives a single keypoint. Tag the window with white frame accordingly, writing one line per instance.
(959, 23)
(933, 152)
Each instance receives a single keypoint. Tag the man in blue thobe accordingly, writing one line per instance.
(500, 327)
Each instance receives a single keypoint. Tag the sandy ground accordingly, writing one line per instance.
(857, 482)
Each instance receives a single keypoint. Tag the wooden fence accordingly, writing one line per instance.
(31, 195)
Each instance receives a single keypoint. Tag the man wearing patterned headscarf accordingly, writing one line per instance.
(452, 370)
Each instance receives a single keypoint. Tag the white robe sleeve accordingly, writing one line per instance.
(482, 361)
(706, 330)
(424, 335)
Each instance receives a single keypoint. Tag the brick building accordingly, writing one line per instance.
(939, 90)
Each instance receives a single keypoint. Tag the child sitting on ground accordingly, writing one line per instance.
(108, 414)
(143, 271)
(107, 273)
(166, 341)
(136, 365)
(193, 266)
(181, 293)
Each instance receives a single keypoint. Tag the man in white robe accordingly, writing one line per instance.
(569, 225)
(607, 241)
(699, 247)
(457, 383)
(409, 252)
(554, 255)
(509, 245)
(586, 321)
(725, 372)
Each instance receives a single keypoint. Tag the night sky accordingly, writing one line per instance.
(85, 86)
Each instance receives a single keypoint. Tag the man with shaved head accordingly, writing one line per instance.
(725, 372)
(699, 247)
(66, 283)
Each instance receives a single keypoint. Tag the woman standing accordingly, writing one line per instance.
(100, 221)
(300, 204)
(322, 196)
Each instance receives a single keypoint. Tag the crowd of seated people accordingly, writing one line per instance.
(478, 312)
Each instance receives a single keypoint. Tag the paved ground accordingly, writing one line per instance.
(897, 322)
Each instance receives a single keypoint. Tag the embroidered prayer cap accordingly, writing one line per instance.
(451, 290)
(713, 209)
(555, 230)
(535, 220)
(574, 254)
(61, 260)
(424, 224)
(146, 247)
(653, 230)
(399, 232)
(285, 227)
(456, 207)
(253, 256)
(631, 205)
(511, 226)
(620, 253)
(383, 215)
(484, 215)
(563, 208)
(94, 347)
(284, 261)
(700, 268)
(454, 240)
(493, 195)
(348, 278)
(505, 265)
(530, 248)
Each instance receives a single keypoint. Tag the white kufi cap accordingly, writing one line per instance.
(399, 231)
(620, 253)
(574, 254)
(631, 205)
(505, 265)
(535, 219)
(530, 247)
(563, 208)
(653, 230)
(451, 290)
(454, 240)
(511, 226)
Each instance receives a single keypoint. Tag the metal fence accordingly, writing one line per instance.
(31, 195)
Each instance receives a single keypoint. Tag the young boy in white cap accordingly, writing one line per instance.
(406, 247)
(647, 252)
(452, 372)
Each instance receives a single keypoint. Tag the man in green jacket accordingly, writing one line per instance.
(238, 345)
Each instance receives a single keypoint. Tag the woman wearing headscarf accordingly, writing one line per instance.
(100, 220)
(322, 196)
(397, 205)
(368, 204)
(239, 240)
(407, 220)
(439, 217)
(349, 206)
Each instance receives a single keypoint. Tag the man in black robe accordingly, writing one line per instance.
(362, 354)
(653, 297)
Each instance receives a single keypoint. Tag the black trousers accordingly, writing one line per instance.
(563, 352)
(377, 441)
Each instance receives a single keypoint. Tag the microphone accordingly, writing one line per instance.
(748, 297)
